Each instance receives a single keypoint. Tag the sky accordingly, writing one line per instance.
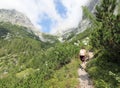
(49, 16)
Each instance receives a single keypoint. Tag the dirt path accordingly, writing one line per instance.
(84, 79)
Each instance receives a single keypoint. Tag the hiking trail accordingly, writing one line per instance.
(84, 79)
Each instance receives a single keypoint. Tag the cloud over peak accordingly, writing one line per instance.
(48, 15)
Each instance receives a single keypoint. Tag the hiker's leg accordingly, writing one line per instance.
(84, 62)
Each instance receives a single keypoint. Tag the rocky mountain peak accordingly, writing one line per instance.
(83, 24)
(15, 17)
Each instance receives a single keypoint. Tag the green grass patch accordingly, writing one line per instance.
(25, 73)
(66, 77)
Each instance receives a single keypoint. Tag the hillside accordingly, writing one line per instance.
(15, 17)
(104, 69)
(25, 58)
(83, 24)
(31, 59)
(18, 45)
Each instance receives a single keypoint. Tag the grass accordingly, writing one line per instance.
(66, 77)
(25, 73)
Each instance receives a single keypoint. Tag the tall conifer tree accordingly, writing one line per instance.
(106, 35)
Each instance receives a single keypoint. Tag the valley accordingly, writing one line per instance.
(33, 59)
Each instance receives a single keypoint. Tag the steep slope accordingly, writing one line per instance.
(16, 43)
(26, 61)
(104, 69)
(21, 47)
(18, 18)
(15, 17)
(83, 24)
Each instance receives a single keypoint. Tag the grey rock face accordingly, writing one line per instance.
(84, 23)
(18, 18)
(15, 17)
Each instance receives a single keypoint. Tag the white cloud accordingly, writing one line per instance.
(74, 14)
(35, 10)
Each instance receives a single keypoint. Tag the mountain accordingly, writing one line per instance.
(26, 61)
(15, 17)
(83, 24)
(21, 48)
(15, 44)
(18, 18)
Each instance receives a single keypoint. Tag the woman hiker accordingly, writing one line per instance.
(83, 55)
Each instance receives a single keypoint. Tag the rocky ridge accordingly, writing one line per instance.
(83, 24)
(15, 17)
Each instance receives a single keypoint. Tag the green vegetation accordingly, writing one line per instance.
(25, 61)
(81, 36)
(104, 69)
(65, 77)
(105, 74)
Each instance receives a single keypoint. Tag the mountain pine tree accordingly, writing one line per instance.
(106, 35)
